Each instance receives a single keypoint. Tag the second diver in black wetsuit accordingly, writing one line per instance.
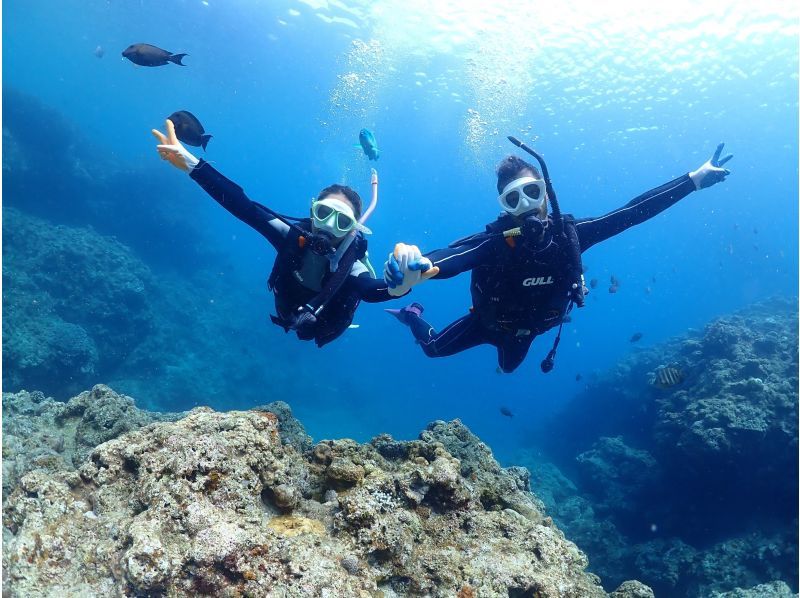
(526, 268)
(313, 297)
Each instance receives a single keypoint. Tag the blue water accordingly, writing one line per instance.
(618, 101)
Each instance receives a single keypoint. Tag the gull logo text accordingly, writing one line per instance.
(534, 282)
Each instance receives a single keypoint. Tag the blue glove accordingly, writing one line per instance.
(405, 268)
(711, 172)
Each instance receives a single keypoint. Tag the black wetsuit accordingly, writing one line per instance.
(298, 276)
(520, 292)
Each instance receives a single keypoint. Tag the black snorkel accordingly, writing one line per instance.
(551, 193)
(577, 292)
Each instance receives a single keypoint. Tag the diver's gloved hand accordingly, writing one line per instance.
(172, 150)
(405, 268)
(711, 172)
(305, 323)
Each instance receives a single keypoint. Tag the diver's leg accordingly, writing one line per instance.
(461, 335)
(511, 351)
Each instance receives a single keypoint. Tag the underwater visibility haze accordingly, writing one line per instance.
(663, 443)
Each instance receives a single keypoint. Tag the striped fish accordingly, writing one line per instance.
(667, 377)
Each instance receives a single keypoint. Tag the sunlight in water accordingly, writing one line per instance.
(506, 55)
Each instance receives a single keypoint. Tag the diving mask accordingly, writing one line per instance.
(333, 216)
(522, 195)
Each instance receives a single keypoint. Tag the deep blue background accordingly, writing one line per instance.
(618, 102)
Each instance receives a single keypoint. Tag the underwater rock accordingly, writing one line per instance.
(190, 508)
(726, 436)
(617, 472)
(40, 433)
(632, 589)
(775, 589)
(292, 431)
(63, 330)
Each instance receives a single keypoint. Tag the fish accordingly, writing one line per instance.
(614, 281)
(613, 288)
(578, 377)
(99, 51)
(188, 128)
(368, 144)
(506, 411)
(667, 377)
(648, 290)
(147, 55)
(566, 319)
(593, 283)
(637, 336)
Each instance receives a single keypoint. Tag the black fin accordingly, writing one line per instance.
(204, 139)
(176, 58)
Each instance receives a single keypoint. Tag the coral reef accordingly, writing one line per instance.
(691, 488)
(81, 307)
(40, 433)
(63, 330)
(239, 503)
(776, 589)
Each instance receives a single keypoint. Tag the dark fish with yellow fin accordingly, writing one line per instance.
(667, 377)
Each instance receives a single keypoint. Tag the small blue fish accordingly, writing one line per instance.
(368, 144)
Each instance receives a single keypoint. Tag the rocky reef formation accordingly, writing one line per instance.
(80, 181)
(79, 307)
(63, 329)
(243, 504)
(692, 488)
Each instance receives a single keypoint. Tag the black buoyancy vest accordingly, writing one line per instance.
(529, 287)
(290, 293)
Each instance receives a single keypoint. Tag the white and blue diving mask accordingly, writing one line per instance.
(334, 217)
(522, 195)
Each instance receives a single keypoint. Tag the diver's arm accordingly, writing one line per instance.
(232, 197)
(371, 290)
(227, 193)
(655, 201)
(644, 207)
(452, 261)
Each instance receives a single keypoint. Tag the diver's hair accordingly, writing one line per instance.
(353, 197)
(509, 169)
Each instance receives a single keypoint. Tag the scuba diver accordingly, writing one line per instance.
(526, 267)
(322, 272)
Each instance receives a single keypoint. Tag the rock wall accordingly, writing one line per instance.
(691, 488)
(241, 503)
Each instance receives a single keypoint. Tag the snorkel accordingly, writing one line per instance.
(576, 291)
(551, 193)
(348, 240)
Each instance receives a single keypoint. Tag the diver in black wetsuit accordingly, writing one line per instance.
(310, 298)
(526, 267)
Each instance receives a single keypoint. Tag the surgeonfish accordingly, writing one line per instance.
(368, 144)
(188, 129)
(667, 377)
(147, 55)
(637, 336)
(506, 411)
